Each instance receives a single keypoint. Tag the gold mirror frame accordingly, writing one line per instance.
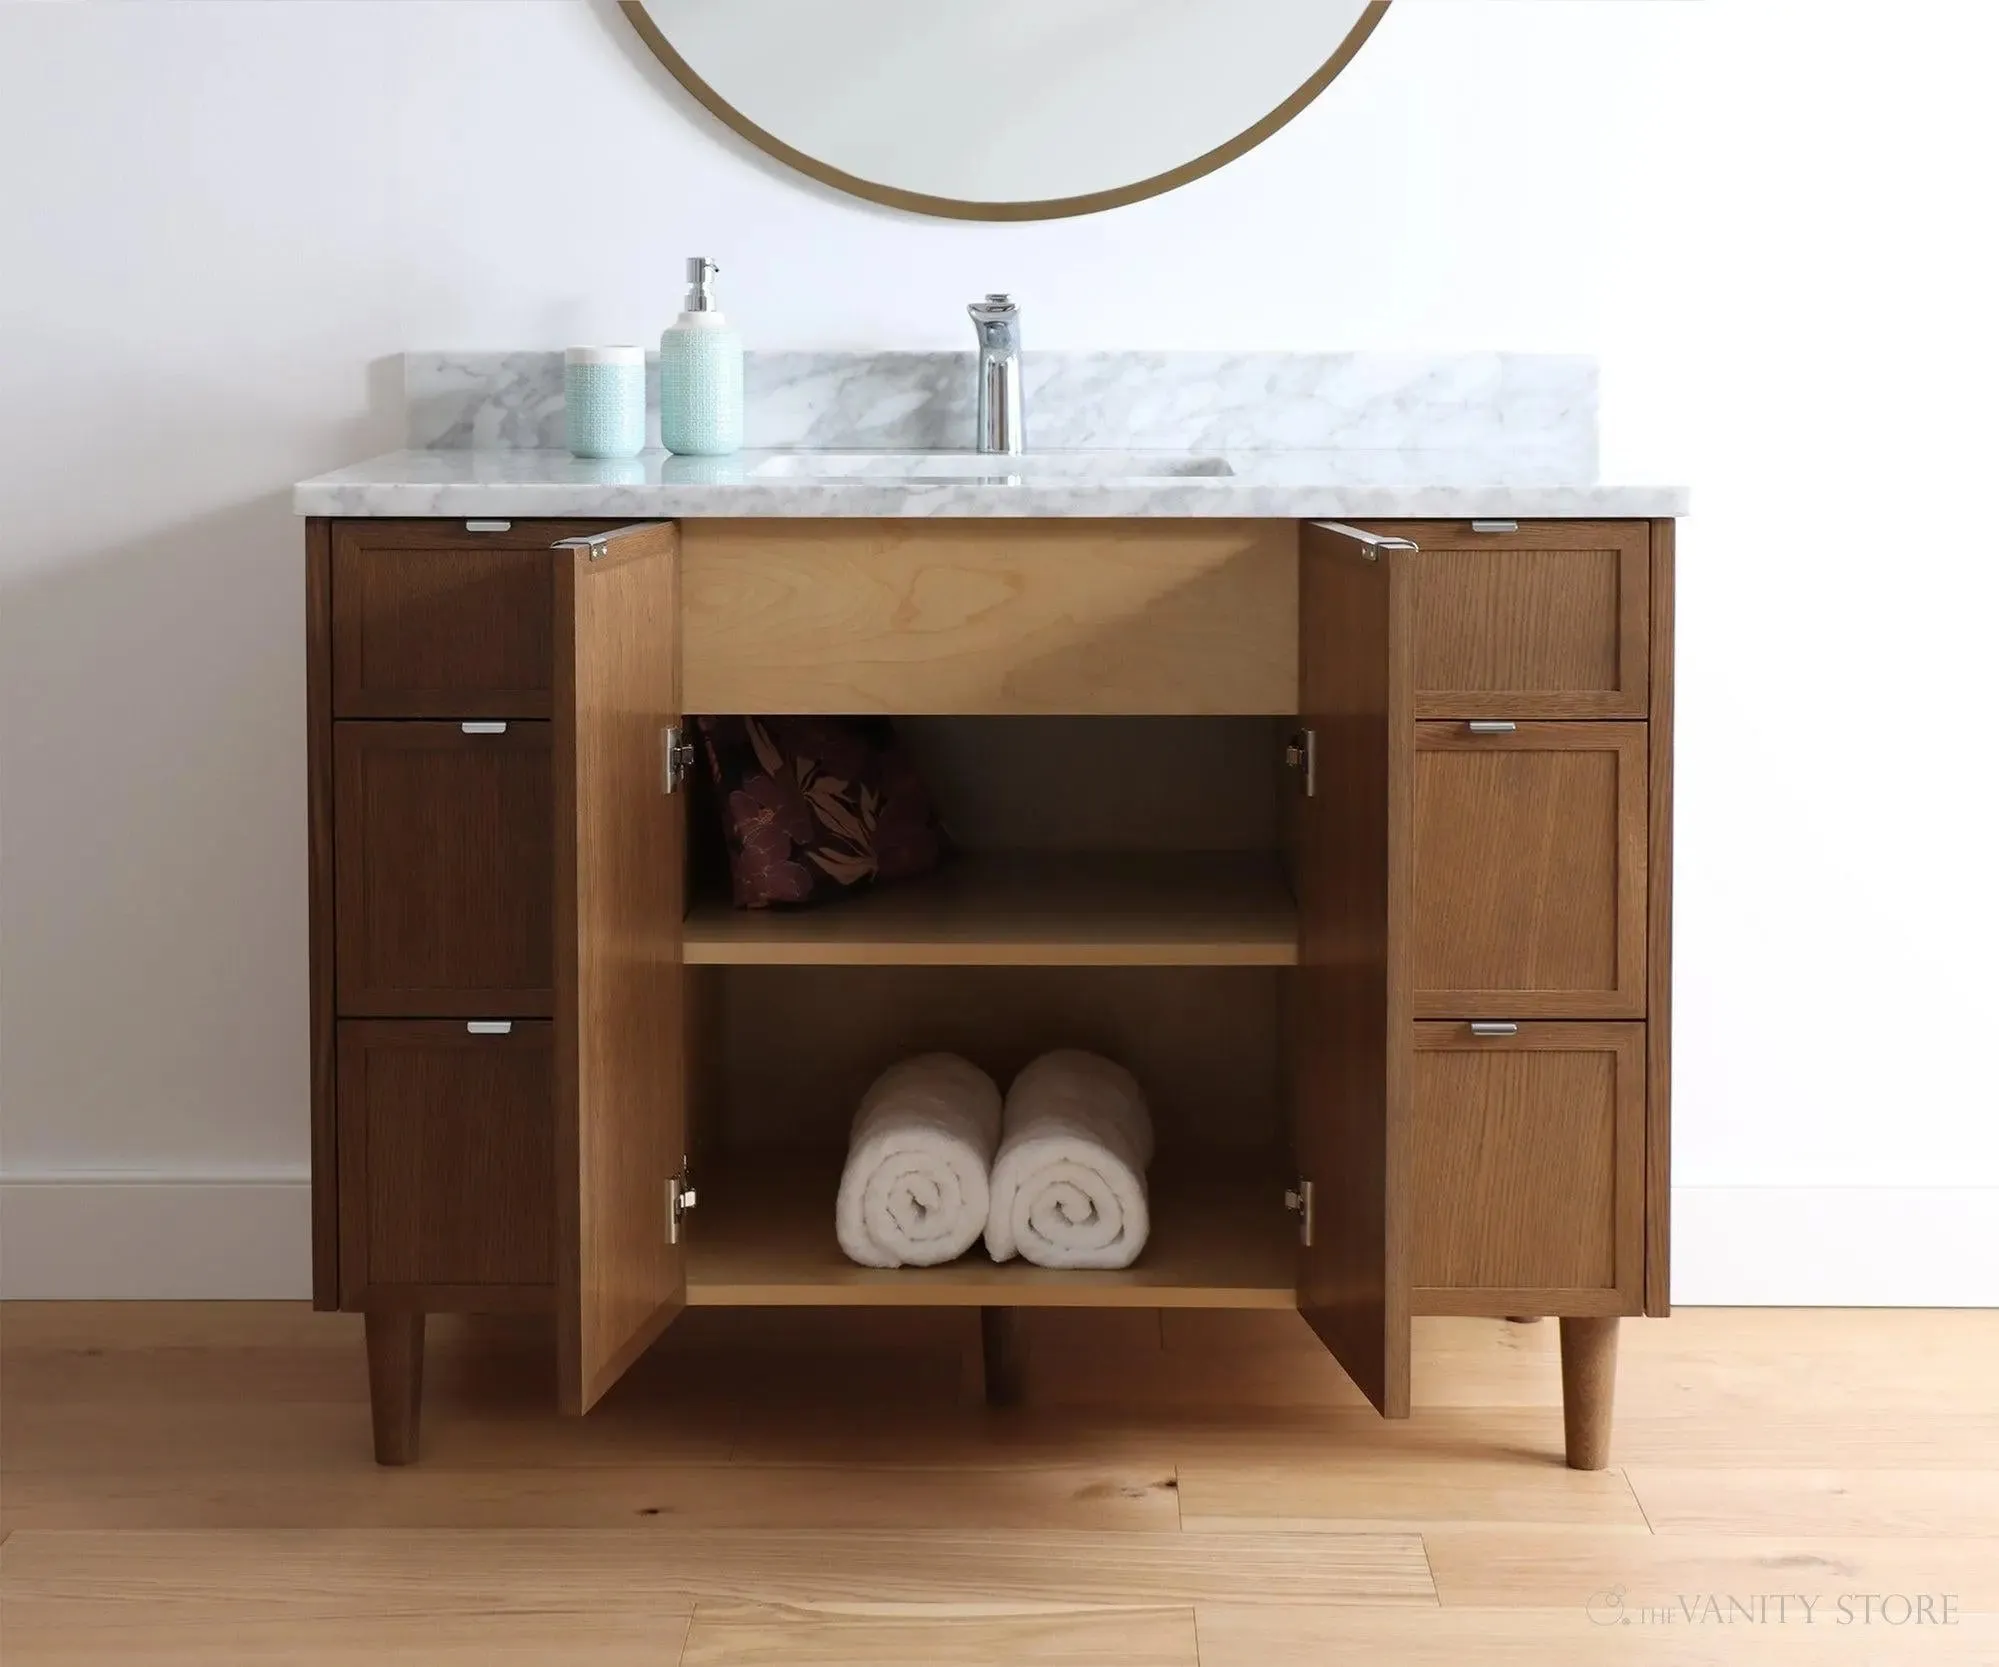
(956, 208)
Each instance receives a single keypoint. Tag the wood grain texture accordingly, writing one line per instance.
(1659, 937)
(1864, 1501)
(1113, 1497)
(395, 1384)
(1337, 1488)
(445, 844)
(190, 1483)
(447, 1163)
(1131, 909)
(1515, 1567)
(432, 621)
(798, 1046)
(619, 881)
(1563, 1634)
(1530, 872)
(1063, 617)
(331, 1572)
(1122, 784)
(1003, 1358)
(1549, 621)
(321, 907)
(102, 1399)
(763, 1236)
(762, 1635)
(1529, 1170)
(1589, 1388)
(199, 1635)
(1350, 996)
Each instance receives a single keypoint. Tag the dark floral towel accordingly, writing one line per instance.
(817, 807)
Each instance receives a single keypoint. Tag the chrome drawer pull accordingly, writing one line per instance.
(1495, 526)
(489, 1027)
(482, 728)
(1492, 726)
(1494, 1027)
(489, 526)
(1371, 544)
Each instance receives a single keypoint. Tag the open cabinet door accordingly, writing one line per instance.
(620, 832)
(1352, 1015)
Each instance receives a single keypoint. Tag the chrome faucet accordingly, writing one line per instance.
(1002, 415)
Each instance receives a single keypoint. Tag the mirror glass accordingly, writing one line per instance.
(1014, 111)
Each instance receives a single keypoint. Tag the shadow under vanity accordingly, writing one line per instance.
(1352, 842)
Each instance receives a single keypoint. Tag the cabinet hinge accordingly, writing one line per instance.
(676, 758)
(1302, 755)
(680, 1198)
(1298, 1200)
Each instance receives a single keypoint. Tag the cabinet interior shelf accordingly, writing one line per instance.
(763, 1237)
(1084, 909)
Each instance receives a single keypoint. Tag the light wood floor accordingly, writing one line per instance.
(191, 1484)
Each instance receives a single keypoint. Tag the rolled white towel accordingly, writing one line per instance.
(1068, 1186)
(914, 1190)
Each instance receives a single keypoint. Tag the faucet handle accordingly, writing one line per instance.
(997, 305)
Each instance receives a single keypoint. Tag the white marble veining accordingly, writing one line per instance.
(1284, 435)
(1380, 484)
(1540, 409)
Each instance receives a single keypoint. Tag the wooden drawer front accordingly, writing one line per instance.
(1550, 621)
(1529, 1169)
(433, 621)
(1529, 872)
(990, 616)
(447, 1163)
(443, 870)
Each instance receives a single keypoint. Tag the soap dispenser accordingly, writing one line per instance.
(700, 373)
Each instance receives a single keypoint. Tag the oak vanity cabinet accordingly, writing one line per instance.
(1352, 841)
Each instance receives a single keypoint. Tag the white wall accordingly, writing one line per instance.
(221, 219)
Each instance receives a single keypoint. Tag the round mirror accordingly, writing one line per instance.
(1022, 112)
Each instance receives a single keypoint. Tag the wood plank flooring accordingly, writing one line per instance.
(190, 1484)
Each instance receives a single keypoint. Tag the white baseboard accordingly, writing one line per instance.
(137, 1236)
(112, 1237)
(1836, 1247)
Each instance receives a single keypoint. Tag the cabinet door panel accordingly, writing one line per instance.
(447, 1165)
(1528, 1186)
(1350, 1010)
(444, 619)
(1530, 871)
(443, 850)
(620, 854)
(1548, 620)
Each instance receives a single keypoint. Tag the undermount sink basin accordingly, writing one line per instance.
(982, 466)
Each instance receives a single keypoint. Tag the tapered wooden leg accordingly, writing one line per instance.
(395, 1384)
(999, 1336)
(1589, 1384)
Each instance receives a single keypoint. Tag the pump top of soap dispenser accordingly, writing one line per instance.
(701, 274)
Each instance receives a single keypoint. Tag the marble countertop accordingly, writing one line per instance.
(1375, 484)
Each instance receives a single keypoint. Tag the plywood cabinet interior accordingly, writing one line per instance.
(985, 617)
(1219, 812)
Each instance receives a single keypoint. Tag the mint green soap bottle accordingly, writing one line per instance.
(701, 373)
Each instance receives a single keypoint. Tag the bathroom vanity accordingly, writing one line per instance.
(1339, 811)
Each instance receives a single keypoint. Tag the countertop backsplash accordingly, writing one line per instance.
(1539, 410)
